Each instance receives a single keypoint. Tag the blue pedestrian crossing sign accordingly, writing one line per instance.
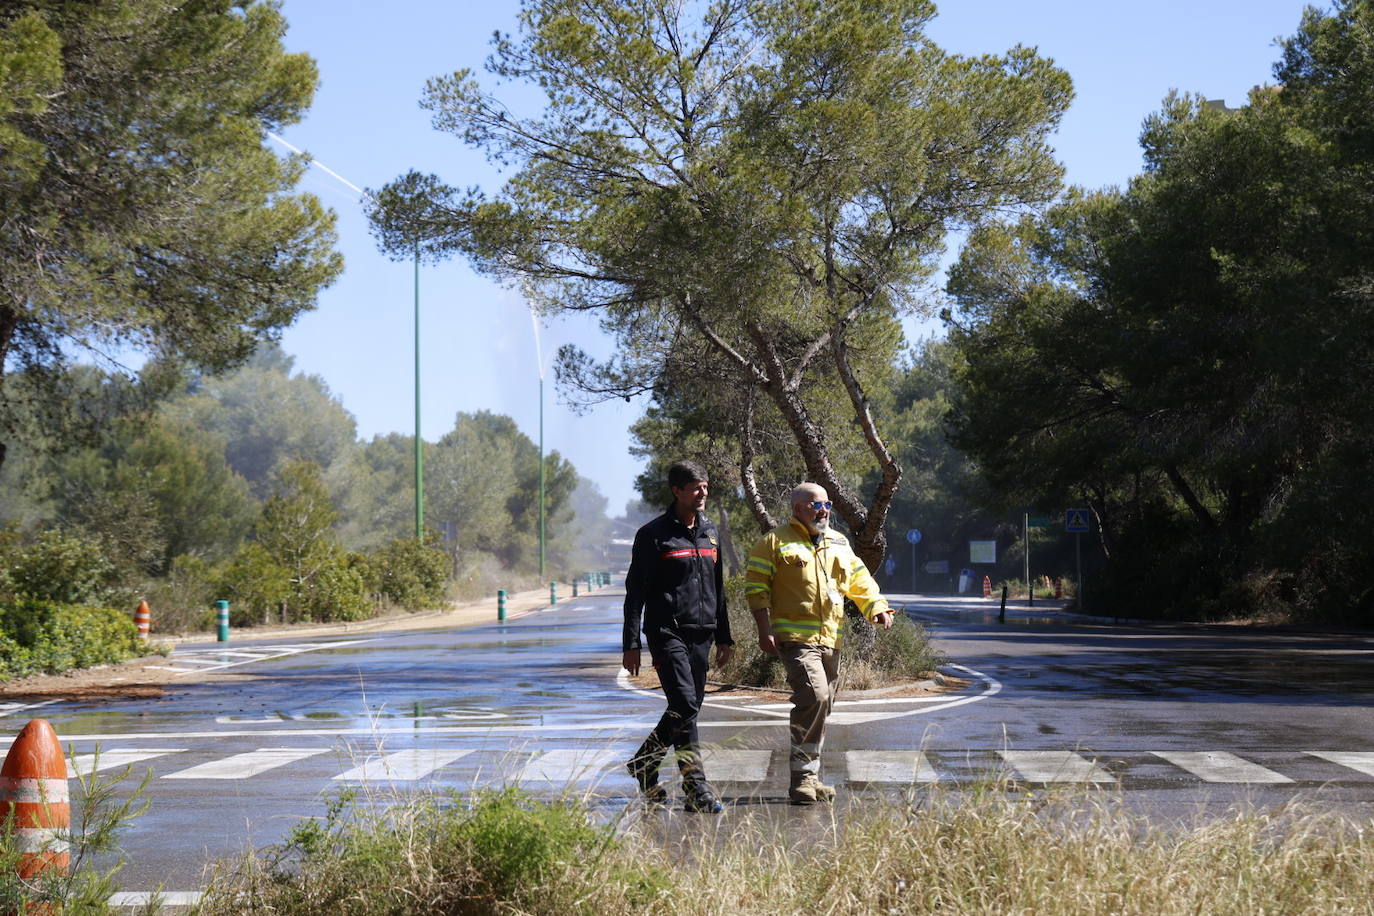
(1075, 520)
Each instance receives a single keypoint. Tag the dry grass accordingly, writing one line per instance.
(989, 850)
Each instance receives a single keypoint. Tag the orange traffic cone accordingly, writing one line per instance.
(33, 789)
(143, 619)
(987, 587)
(1058, 588)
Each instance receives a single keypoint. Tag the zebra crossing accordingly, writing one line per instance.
(601, 768)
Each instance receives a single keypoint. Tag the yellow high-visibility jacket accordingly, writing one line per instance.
(805, 584)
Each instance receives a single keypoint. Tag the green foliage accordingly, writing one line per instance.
(410, 573)
(255, 585)
(264, 417)
(295, 569)
(515, 843)
(902, 653)
(43, 637)
(1190, 357)
(63, 568)
(749, 195)
(481, 854)
(164, 224)
(155, 504)
(107, 807)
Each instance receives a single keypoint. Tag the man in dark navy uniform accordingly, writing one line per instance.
(676, 582)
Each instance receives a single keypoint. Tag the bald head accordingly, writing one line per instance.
(811, 507)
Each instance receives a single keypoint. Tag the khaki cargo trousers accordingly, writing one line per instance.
(813, 673)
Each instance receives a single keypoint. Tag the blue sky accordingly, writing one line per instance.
(478, 348)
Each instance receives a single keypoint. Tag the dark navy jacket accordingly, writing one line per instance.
(676, 579)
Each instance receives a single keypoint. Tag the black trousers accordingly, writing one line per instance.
(681, 657)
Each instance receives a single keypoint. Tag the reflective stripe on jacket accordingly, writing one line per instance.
(676, 580)
(804, 584)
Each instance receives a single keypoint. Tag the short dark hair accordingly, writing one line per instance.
(684, 473)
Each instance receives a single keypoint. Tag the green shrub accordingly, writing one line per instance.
(899, 654)
(254, 584)
(258, 587)
(496, 852)
(337, 591)
(183, 601)
(45, 637)
(409, 573)
(65, 568)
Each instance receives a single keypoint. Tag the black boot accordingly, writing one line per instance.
(700, 799)
(643, 766)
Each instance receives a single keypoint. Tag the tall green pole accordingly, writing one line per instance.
(541, 473)
(419, 444)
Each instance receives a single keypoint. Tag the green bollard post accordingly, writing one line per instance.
(553, 593)
(222, 619)
(574, 586)
(500, 604)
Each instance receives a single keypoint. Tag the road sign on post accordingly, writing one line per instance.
(913, 537)
(1076, 523)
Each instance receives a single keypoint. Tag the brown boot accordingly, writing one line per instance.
(807, 789)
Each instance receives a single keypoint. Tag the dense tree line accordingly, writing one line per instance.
(1188, 356)
(252, 486)
(1192, 356)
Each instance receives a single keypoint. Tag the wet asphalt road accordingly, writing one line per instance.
(1173, 716)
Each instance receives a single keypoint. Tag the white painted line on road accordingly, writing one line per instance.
(566, 766)
(1360, 761)
(8, 708)
(402, 766)
(242, 766)
(1055, 766)
(1220, 766)
(781, 710)
(735, 766)
(902, 767)
(209, 658)
(86, 764)
(167, 898)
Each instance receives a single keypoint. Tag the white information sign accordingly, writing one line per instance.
(982, 551)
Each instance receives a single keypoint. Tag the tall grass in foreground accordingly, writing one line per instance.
(988, 851)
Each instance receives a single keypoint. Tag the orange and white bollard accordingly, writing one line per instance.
(987, 587)
(1058, 588)
(33, 787)
(143, 619)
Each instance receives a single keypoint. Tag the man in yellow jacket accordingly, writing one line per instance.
(797, 579)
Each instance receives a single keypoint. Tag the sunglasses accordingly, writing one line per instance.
(818, 505)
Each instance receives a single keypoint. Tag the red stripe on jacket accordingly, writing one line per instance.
(707, 552)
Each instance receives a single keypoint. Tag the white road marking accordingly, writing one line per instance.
(1220, 766)
(1055, 766)
(242, 766)
(902, 767)
(780, 711)
(1362, 762)
(8, 708)
(212, 659)
(407, 765)
(735, 766)
(85, 764)
(566, 766)
(167, 898)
